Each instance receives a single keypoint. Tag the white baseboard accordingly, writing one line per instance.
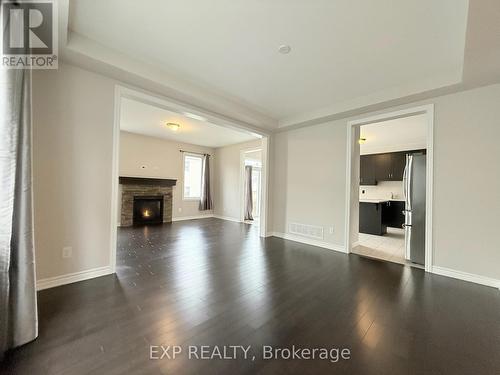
(354, 244)
(308, 241)
(228, 218)
(69, 278)
(470, 277)
(182, 218)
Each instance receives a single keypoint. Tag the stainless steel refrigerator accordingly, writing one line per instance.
(414, 192)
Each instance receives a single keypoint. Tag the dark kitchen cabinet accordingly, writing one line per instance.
(383, 167)
(392, 214)
(367, 170)
(370, 219)
(398, 163)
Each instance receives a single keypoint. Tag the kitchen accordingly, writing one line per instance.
(392, 184)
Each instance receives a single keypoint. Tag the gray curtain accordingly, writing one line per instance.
(18, 309)
(248, 193)
(206, 197)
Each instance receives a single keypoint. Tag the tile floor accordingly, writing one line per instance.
(390, 247)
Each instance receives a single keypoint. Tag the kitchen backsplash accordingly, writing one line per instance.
(383, 190)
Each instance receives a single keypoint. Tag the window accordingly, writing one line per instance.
(192, 176)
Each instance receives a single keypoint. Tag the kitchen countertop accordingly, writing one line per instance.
(364, 200)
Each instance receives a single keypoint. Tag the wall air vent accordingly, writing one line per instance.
(311, 231)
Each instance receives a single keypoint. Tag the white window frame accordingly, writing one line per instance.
(185, 154)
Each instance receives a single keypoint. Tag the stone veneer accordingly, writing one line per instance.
(129, 191)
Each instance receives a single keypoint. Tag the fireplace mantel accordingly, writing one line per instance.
(124, 180)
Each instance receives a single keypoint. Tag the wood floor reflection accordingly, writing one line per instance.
(215, 282)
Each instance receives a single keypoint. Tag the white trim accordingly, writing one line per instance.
(195, 217)
(264, 186)
(354, 244)
(470, 277)
(308, 241)
(228, 218)
(51, 282)
(425, 109)
(114, 177)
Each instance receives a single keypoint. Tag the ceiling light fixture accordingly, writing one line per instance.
(361, 140)
(173, 126)
(284, 49)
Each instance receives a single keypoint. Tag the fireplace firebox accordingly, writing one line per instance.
(148, 210)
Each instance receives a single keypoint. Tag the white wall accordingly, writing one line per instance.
(309, 181)
(227, 198)
(162, 159)
(72, 150)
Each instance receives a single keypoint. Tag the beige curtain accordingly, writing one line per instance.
(248, 193)
(18, 308)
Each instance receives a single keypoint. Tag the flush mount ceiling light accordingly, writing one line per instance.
(173, 126)
(284, 49)
(361, 140)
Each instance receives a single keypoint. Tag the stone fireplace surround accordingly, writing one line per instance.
(142, 186)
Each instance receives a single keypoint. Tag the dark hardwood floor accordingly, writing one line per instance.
(214, 282)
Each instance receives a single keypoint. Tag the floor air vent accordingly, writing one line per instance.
(311, 231)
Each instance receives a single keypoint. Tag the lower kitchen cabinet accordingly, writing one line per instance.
(392, 214)
(370, 218)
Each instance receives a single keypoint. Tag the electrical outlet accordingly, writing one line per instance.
(67, 252)
(180, 209)
(331, 230)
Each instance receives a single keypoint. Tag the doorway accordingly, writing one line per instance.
(389, 189)
(251, 185)
(123, 94)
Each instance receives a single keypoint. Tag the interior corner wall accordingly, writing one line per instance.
(310, 176)
(73, 114)
(143, 156)
(228, 178)
(309, 179)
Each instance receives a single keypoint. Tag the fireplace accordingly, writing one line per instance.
(145, 200)
(148, 210)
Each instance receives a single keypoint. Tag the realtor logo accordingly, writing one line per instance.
(29, 34)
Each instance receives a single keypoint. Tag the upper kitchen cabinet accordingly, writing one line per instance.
(367, 170)
(383, 167)
(398, 164)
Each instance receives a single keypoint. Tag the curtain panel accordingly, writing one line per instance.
(206, 197)
(248, 193)
(18, 304)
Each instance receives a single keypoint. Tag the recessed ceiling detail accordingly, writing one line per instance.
(345, 54)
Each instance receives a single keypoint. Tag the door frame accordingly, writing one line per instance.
(428, 111)
(242, 181)
(186, 110)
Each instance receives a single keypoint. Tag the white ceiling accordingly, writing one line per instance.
(145, 119)
(345, 54)
(409, 133)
